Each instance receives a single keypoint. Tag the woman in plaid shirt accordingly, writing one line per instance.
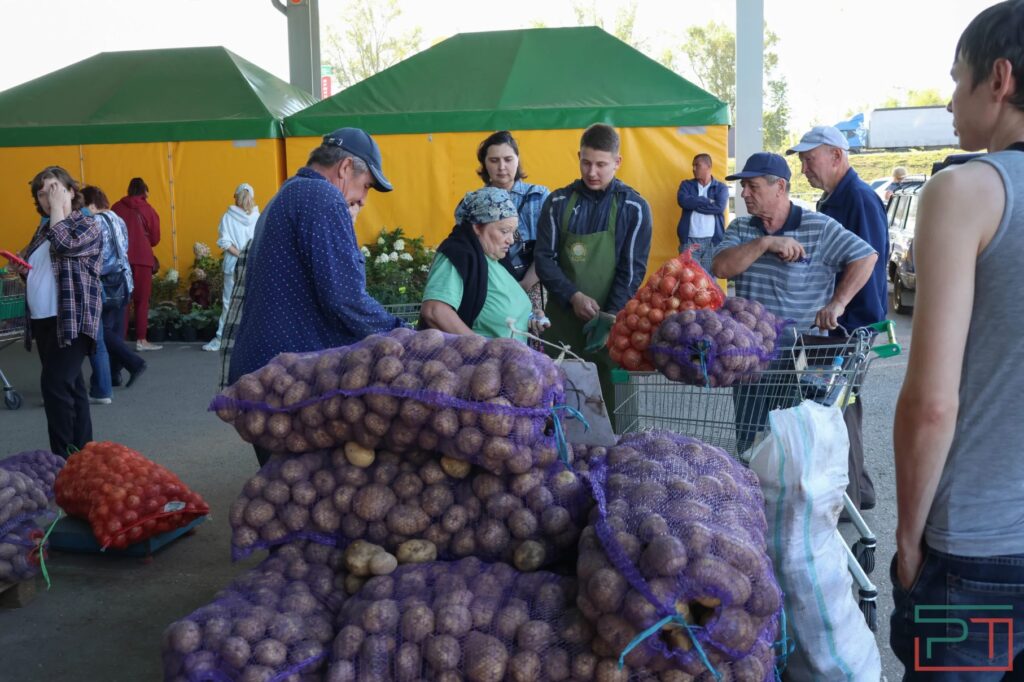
(63, 303)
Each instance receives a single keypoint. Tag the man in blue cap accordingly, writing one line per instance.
(305, 278)
(788, 259)
(851, 202)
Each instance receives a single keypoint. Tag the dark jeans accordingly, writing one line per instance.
(979, 583)
(121, 356)
(65, 398)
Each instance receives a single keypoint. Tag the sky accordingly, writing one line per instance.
(837, 55)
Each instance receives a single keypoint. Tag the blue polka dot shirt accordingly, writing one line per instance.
(306, 278)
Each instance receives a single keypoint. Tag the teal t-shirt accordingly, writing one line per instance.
(505, 297)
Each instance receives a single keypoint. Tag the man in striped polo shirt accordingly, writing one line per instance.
(788, 259)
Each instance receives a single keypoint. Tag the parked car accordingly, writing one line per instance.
(902, 214)
(879, 185)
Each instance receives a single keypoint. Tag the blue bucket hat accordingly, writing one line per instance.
(486, 205)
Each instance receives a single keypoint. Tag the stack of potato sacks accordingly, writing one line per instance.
(26, 505)
(418, 501)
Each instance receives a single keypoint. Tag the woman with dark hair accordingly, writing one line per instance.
(116, 278)
(62, 293)
(500, 167)
(468, 290)
(143, 234)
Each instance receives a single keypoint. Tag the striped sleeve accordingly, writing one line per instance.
(841, 246)
(736, 234)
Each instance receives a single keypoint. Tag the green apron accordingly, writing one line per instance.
(589, 262)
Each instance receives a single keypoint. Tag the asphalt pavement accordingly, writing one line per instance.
(104, 615)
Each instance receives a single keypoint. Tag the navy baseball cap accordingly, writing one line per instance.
(763, 163)
(359, 143)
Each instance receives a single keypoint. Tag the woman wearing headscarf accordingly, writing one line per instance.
(468, 290)
(236, 230)
(62, 294)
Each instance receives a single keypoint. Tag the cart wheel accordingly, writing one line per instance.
(865, 555)
(12, 399)
(870, 611)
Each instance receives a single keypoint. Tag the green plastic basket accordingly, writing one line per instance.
(12, 307)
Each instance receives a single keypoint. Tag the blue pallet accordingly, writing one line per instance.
(75, 535)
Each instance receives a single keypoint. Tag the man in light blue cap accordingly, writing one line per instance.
(849, 201)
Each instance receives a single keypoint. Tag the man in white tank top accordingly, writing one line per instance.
(958, 575)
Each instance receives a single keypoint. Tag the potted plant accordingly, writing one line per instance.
(161, 322)
(165, 288)
(209, 322)
(397, 267)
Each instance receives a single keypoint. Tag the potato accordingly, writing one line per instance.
(486, 658)
(358, 556)
(529, 556)
(455, 468)
(535, 635)
(416, 551)
(382, 563)
(525, 666)
(442, 653)
(185, 636)
(486, 381)
(359, 456)
(258, 513)
(373, 502)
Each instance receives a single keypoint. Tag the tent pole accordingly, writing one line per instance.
(81, 163)
(174, 218)
(749, 84)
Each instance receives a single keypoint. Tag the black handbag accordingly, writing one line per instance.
(115, 290)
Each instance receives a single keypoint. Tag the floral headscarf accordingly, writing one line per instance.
(486, 205)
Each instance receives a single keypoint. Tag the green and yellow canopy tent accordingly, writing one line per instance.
(430, 111)
(194, 123)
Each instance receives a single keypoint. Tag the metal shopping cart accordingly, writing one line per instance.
(12, 326)
(828, 370)
(408, 312)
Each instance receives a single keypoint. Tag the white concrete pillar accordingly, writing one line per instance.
(749, 121)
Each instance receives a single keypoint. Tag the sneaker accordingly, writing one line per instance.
(213, 345)
(146, 345)
(100, 401)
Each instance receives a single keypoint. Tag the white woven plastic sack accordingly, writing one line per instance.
(802, 466)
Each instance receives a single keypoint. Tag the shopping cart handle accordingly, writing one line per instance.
(892, 347)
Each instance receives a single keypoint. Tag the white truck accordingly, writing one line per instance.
(907, 127)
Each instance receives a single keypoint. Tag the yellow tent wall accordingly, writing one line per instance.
(431, 172)
(190, 184)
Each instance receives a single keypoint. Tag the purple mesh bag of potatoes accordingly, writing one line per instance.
(706, 348)
(677, 538)
(415, 504)
(275, 623)
(488, 401)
